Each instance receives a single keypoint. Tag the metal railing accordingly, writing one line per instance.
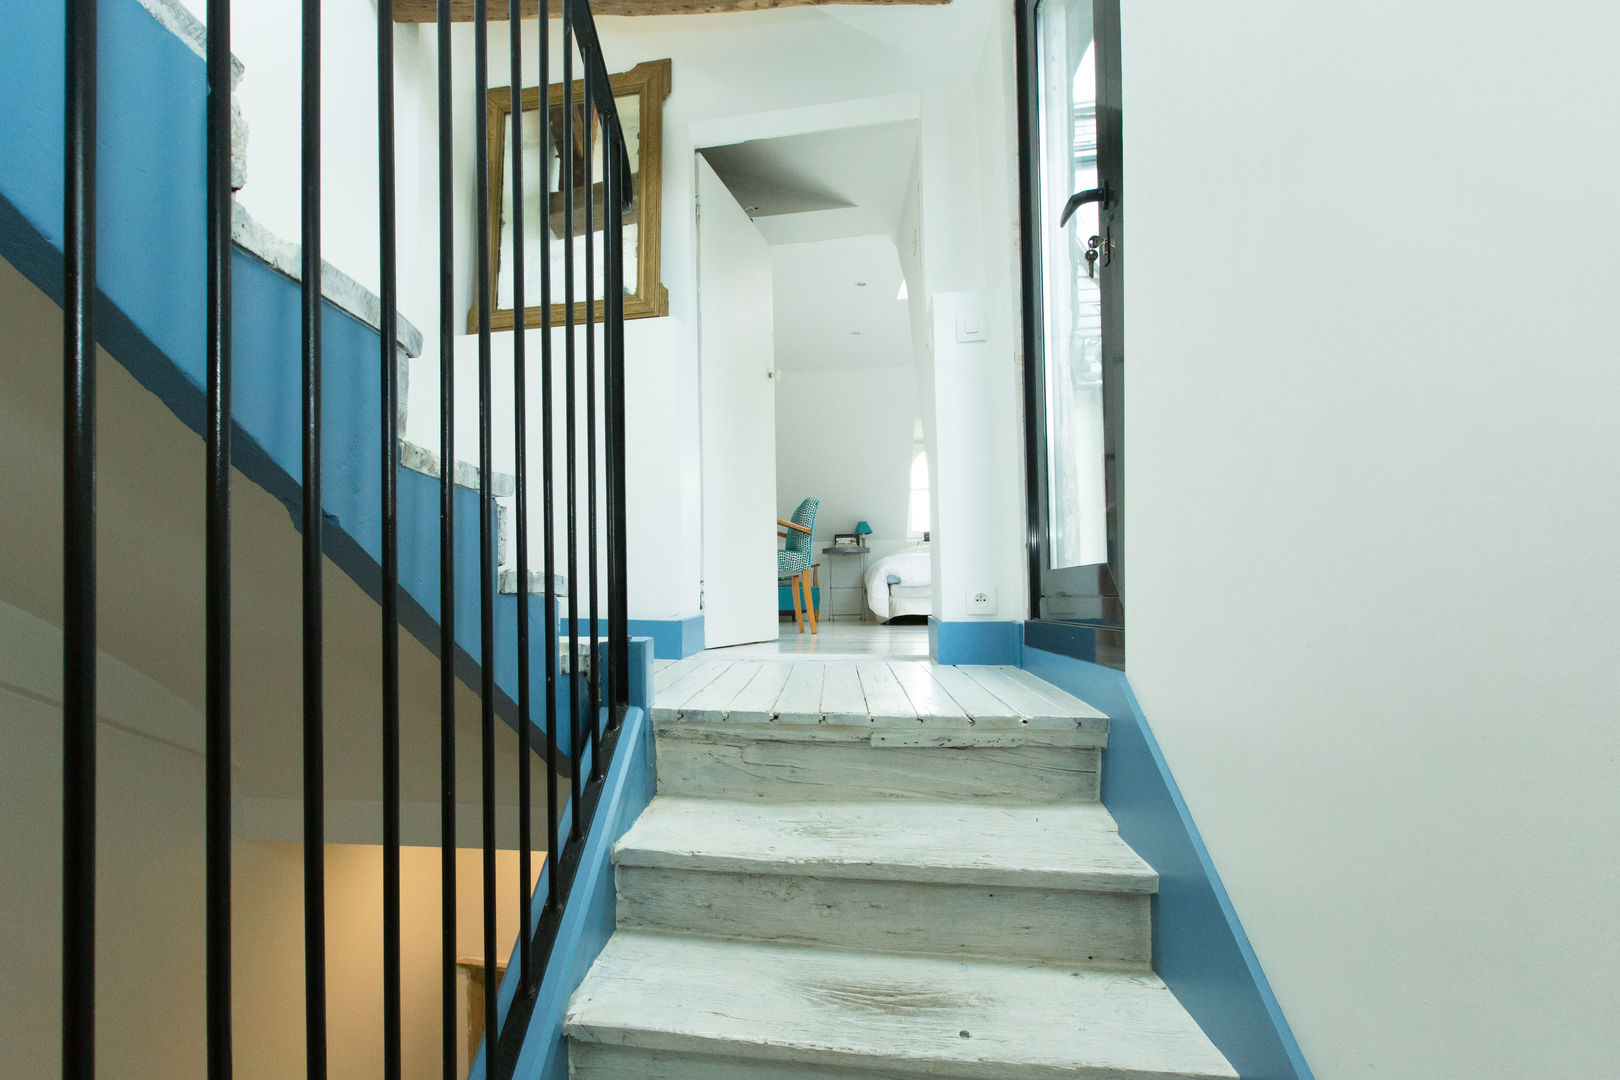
(592, 707)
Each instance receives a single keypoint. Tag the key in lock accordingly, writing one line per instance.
(1093, 251)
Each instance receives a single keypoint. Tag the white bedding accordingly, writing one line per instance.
(914, 567)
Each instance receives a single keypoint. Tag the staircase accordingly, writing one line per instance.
(920, 884)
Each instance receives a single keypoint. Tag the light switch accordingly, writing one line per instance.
(970, 327)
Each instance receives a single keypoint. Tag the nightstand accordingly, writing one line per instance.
(832, 579)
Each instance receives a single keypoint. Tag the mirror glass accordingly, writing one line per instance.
(551, 147)
(543, 170)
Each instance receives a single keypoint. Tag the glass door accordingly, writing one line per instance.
(1070, 135)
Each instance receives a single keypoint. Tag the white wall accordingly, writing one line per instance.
(269, 936)
(149, 887)
(967, 209)
(978, 503)
(845, 437)
(1372, 516)
(266, 37)
(150, 896)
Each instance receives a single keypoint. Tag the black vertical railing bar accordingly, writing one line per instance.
(611, 664)
(547, 467)
(618, 604)
(576, 829)
(609, 425)
(393, 1034)
(593, 712)
(486, 519)
(584, 27)
(79, 546)
(520, 396)
(314, 706)
(447, 560)
(217, 548)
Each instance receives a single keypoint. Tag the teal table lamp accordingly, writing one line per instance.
(862, 530)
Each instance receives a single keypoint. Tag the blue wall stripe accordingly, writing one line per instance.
(1199, 947)
(974, 642)
(151, 303)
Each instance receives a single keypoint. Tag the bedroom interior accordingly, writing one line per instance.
(851, 462)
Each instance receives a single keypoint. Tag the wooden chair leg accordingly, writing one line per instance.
(810, 602)
(798, 612)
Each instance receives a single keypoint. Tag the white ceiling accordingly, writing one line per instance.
(828, 203)
(825, 320)
(824, 184)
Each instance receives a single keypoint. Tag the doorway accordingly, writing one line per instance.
(845, 449)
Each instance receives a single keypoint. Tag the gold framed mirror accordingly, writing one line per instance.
(639, 97)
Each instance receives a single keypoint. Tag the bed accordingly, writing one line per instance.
(901, 583)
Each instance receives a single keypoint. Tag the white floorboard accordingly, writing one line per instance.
(836, 641)
(886, 693)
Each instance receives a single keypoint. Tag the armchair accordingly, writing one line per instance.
(793, 562)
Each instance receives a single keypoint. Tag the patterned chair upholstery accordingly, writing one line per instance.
(794, 556)
(793, 560)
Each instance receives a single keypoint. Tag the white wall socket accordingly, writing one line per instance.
(981, 602)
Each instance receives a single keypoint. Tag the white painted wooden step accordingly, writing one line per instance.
(889, 695)
(1073, 846)
(1053, 883)
(795, 762)
(685, 1008)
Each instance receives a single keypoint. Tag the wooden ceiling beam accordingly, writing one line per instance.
(425, 11)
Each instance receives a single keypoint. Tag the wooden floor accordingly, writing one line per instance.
(844, 639)
(882, 693)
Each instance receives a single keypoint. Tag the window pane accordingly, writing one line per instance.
(1076, 501)
(917, 510)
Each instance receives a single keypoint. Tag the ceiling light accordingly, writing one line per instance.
(855, 333)
(861, 284)
(903, 294)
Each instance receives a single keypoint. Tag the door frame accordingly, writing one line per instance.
(1096, 629)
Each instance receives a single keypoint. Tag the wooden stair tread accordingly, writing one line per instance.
(898, 1014)
(1062, 846)
(877, 693)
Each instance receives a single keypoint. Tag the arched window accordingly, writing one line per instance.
(918, 509)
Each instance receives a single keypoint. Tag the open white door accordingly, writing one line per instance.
(736, 354)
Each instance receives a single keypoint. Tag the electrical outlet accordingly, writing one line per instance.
(981, 602)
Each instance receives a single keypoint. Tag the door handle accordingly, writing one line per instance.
(1079, 199)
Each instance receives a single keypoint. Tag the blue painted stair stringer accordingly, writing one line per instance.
(151, 311)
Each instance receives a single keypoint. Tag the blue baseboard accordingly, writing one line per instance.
(974, 642)
(591, 912)
(1199, 947)
(672, 638)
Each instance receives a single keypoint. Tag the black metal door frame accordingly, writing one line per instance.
(1077, 610)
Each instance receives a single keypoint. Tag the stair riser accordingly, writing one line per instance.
(594, 1061)
(1071, 927)
(741, 767)
(600, 1061)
